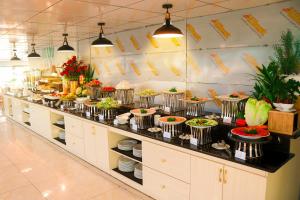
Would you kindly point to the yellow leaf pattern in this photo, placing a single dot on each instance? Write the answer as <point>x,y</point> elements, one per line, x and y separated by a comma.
<point>120,45</point>
<point>251,61</point>
<point>219,27</point>
<point>254,24</point>
<point>153,69</point>
<point>219,63</point>
<point>135,68</point>
<point>175,70</point>
<point>152,41</point>
<point>120,68</point>
<point>213,94</point>
<point>193,32</point>
<point>134,42</point>
<point>292,14</point>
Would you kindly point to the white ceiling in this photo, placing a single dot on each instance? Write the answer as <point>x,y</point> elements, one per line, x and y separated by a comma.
<point>46,19</point>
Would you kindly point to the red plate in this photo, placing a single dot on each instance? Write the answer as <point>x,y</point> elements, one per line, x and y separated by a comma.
<point>261,131</point>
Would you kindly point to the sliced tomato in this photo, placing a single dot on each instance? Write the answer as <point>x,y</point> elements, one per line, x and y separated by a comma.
<point>261,131</point>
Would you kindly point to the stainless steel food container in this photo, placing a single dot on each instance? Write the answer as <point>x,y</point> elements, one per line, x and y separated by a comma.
<point>125,96</point>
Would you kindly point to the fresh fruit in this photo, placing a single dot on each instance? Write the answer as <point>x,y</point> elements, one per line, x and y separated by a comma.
<point>78,91</point>
<point>84,92</point>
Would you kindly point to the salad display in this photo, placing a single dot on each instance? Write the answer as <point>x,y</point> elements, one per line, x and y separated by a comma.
<point>201,122</point>
<point>142,112</point>
<point>147,92</point>
<point>172,119</point>
<point>108,103</point>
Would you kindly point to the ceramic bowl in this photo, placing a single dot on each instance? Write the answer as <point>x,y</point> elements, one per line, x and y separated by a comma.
<point>286,107</point>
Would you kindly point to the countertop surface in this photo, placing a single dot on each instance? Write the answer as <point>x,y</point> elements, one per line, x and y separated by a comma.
<point>270,162</point>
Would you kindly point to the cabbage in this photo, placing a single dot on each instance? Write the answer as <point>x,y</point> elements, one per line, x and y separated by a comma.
<point>256,112</point>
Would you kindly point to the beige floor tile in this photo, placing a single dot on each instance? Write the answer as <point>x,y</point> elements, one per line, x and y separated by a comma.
<point>22,193</point>
<point>117,193</point>
<point>31,167</point>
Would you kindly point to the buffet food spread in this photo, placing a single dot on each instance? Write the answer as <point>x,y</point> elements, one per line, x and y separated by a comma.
<point>241,126</point>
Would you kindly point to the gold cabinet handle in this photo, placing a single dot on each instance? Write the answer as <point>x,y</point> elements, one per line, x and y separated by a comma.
<point>220,175</point>
<point>163,187</point>
<point>163,160</point>
<point>225,176</point>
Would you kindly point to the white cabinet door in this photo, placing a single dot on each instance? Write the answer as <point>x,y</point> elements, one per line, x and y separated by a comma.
<point>163,187</point>
<point>243,185</point>
<point>96,145</point>
<point>40,120</point>
<point>17,110</point>
<point>206,179</point>
<point>75,145</point>
<point>6,105</point>
<point>166,160</point>
<point>73,126</point>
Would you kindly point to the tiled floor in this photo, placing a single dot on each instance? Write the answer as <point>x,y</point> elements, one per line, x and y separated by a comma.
<point>32,168</point>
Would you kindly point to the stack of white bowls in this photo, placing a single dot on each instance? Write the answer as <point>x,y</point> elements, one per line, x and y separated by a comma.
<point>137,150</point>
<point>126,164</point>
<point>138,171</point>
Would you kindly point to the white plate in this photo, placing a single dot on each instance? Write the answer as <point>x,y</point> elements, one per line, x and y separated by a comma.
<point>217,146</point>
<point>154,129</point>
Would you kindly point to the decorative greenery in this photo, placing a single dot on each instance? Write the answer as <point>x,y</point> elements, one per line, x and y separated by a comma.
<point>287,54</point>
<point>89,74</point>
<point>273,86</point>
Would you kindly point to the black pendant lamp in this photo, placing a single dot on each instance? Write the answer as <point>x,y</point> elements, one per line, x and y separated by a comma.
<point>65,47</point>
<point>33,54</point>
<point>101,41</point>
<point>167,30</point>
<point>15,57</point>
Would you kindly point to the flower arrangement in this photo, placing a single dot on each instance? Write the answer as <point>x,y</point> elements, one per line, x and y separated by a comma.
<point>73,68</point>
<point>93,83</point>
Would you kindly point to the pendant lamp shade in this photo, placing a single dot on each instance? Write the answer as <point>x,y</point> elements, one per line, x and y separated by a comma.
<point>15,57</point>
<point>101,41</point>
<point>167,30</point>
<point>33,54</point>
<point>65,47</point>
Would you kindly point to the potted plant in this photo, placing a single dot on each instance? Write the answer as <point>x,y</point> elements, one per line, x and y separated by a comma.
<point>287,57</point>
<point>274,87</point>
<point>72,69</point>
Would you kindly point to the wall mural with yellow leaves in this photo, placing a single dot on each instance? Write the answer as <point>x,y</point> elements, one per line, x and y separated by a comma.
<point>217,55</point>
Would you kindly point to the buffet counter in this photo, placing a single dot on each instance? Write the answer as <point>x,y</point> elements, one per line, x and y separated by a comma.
<point>172,168</point>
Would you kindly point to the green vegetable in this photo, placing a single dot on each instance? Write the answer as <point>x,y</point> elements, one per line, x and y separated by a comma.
<point>143,111</point>
<point>171,119</point>
<point>256,112</point>
<point>201,122</point>
<point>251,131</point>
<point>108,103</point>
<point>194,99</point>
<point>173,89</point>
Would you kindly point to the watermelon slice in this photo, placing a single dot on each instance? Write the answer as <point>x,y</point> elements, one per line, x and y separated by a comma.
<point>251,132</point>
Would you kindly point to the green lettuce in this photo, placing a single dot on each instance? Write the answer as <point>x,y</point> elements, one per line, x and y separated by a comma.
<point>256,112</point>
